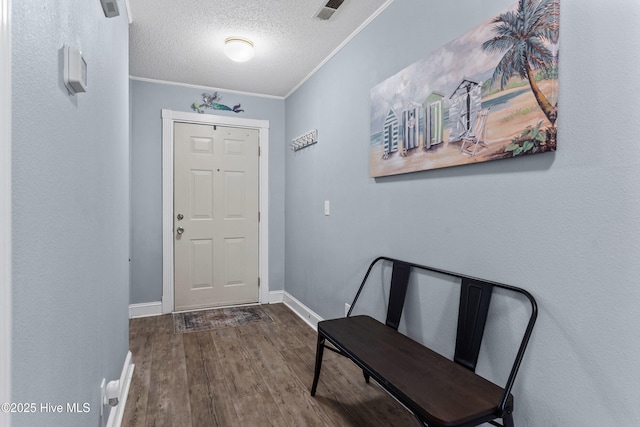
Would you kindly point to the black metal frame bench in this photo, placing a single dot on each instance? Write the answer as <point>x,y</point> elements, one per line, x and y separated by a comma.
<point>437,390</point>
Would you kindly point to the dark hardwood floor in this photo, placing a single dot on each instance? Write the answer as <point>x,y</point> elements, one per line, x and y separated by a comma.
<point>257,374</point>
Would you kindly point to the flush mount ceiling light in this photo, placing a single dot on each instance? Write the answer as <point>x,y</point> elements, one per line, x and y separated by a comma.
<point>238,49</point>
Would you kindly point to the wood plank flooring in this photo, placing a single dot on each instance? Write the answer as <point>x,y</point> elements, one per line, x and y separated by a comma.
<point>256,374</point>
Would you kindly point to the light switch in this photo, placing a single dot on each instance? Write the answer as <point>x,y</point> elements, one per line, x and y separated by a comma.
<point>327,210</point>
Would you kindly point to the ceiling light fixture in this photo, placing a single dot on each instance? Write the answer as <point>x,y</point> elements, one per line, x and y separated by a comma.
<point>238,49</point>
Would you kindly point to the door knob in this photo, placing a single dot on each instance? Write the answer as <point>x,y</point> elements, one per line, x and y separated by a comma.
<point>180,230</point>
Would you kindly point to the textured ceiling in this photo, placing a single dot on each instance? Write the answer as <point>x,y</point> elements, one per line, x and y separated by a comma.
<point>182,41</point>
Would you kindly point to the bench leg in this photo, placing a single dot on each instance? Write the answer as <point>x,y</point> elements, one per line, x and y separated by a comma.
<point>316,375</point>
<point>507,419</point>
<point>366,376</point>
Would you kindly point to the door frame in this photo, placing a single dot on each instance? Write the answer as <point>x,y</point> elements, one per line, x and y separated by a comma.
<point>5,208</point>
<point>169,117</point>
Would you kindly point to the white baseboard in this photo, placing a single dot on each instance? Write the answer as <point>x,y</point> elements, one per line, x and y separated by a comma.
<point>302,310</point>
<point>276,297</point>
<point>117,412</point>
<point>145,309</point>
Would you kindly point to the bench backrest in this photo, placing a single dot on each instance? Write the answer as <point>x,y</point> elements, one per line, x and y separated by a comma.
<point>397,292</point>
<point>475,298</point>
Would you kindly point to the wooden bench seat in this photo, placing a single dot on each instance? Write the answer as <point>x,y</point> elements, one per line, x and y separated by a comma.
<point>437,390</point>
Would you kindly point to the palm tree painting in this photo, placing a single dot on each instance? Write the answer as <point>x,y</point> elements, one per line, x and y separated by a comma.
<point>525,36</point>
<point>498,86</point>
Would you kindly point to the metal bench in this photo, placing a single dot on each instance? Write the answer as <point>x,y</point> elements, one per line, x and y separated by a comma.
<point>437,390</point>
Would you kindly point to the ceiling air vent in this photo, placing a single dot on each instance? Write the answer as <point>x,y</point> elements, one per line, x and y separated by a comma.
<point>110,8</point>
<point>329,9</point>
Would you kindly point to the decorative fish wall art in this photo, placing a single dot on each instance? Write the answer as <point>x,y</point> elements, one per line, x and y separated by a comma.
<point>209,100</point>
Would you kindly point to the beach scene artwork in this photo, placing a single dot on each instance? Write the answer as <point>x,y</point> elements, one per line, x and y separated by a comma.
<point>490,94</point>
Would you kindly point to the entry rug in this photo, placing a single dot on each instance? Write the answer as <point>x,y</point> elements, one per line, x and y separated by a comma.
<point>206,320</point>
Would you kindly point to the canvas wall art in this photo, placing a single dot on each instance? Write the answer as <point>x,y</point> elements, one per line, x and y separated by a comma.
<point>490,94</point>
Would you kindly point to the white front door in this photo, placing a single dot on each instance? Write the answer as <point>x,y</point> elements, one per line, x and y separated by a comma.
<point>215,215</point>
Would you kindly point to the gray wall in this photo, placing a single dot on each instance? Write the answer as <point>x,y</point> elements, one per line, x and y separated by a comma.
<point>70,209</point>
<point>147,101</point>
<point>563,225</point>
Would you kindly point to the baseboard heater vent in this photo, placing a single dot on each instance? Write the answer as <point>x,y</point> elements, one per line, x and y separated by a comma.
<point>329,9</point>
